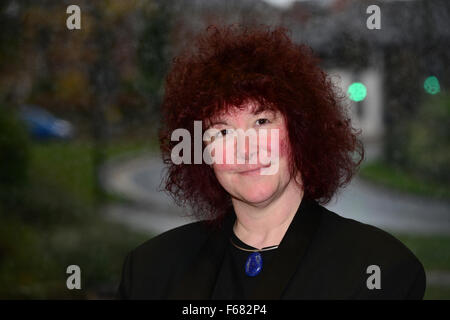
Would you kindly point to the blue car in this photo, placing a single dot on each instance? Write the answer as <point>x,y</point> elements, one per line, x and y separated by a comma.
<point>43,125</point>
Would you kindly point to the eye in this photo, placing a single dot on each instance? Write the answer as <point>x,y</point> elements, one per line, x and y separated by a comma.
<point>223,133</point>
<point>262,121</point>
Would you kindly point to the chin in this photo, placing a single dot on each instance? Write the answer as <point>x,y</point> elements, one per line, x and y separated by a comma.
<point>257,193</point>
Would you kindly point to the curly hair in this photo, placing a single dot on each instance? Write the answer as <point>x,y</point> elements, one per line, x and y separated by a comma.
<point>230,65</point>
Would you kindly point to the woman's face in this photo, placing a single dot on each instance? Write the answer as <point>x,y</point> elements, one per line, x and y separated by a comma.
<point>250,177</point>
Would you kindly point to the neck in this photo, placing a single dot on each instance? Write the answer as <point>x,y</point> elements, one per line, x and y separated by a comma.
<point>265,225</point>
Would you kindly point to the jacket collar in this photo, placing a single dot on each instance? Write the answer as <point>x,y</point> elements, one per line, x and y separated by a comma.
<point>198,282</point>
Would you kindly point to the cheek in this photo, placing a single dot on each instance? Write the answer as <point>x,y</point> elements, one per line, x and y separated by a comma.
<point>283,143</point>
<point>221,172</point>
<point>218,151</point>
<point>284,147</point>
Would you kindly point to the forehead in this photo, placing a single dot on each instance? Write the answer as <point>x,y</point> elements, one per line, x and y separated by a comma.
<point>246,109</point>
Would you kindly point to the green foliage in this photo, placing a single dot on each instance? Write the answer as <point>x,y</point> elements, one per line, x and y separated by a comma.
<point>14,156</point>
<point>33,259</point>
<point>437,293</point>
<point>403,180</point>
<point>66,165</point>
<point>434,253</point>
<point>428,143</point>
<point>55,225</point>
<point>9,35</point>
<point>153,54</point>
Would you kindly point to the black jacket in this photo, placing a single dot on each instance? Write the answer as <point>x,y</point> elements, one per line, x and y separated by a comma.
<point>322,256</point>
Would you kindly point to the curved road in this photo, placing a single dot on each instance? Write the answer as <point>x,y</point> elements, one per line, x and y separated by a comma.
<point>138,179</point>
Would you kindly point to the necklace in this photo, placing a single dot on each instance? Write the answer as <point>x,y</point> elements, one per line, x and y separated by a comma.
<point>254,262</point>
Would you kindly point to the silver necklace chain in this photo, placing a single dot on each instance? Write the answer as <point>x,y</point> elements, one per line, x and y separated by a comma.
<point>253,250</point>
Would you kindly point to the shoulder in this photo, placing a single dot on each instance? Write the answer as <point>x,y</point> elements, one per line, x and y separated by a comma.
<point>149,268</point>
<point>365,247</point>
<point>176,239</point>
<point>357,237</point>
<point>175,244</point>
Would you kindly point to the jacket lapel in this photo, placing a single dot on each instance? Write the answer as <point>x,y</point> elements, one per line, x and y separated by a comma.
<point>198,282</point>
<point>289,254</point>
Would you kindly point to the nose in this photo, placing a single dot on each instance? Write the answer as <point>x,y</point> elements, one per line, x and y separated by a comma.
<point>246,147</point>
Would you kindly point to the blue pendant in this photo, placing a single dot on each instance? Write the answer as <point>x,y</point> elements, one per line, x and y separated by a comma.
<point>253,265</point>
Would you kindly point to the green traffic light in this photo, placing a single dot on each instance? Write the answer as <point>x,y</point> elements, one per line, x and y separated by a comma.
<point>431,85</point>
<point>357,91</point>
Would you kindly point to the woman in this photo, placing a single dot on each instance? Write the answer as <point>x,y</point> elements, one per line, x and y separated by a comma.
<point>263,234</point>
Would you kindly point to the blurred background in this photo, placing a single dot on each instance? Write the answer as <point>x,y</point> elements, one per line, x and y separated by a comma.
<point>79,110</point>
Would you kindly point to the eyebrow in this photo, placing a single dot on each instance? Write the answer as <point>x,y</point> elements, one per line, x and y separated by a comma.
<point>269,112</point>
<point>218,122</point>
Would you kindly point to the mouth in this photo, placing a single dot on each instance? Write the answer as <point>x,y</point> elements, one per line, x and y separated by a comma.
<point>253,171</point>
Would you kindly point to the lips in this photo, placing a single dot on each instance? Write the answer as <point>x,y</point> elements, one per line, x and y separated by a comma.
<point>252,170</point>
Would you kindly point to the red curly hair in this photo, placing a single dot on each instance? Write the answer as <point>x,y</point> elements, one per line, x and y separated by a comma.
<point>231,65</point>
